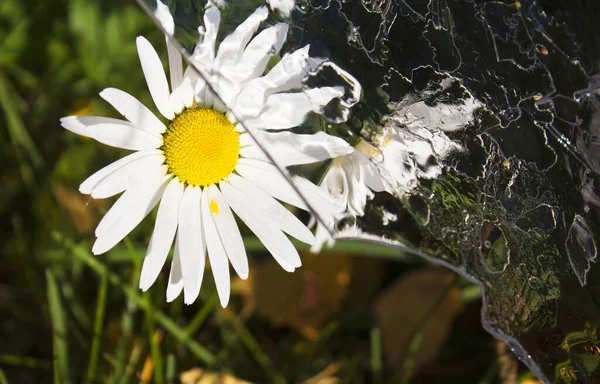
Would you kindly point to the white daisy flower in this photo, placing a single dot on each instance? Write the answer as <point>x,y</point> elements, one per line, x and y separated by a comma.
<point>202,165</point>
<point>350,181</point>
<point>411,147</point>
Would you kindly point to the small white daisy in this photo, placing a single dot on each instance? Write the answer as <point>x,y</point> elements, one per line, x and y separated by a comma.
<point>412,146</point>
<point>350,181</point>
<point>203,166</point>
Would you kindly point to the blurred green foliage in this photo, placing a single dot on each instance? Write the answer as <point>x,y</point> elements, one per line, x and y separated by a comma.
<point>66,316</point>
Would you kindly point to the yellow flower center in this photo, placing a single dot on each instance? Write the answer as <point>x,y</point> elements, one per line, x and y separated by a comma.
<point>201,146</point>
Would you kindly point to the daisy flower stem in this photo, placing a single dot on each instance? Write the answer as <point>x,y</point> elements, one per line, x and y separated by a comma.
<point>169,325</point>
<point>98,324</point>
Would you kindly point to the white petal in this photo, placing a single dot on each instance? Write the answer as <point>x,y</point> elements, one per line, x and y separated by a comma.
<point>358,192</point>
<point>282,111</point>
<point>88,185</point>
<point>328,208</point>
<point>200,93</point>
<point>323,237</point>
<point>319,97</point>
<point>213,101</point>
<point>274,240</point>
<point>285,75</point>
<point>229,80</point>
<point>322,203</point>
<point>335,181</point>
<point>278,216</point>
<point>232,46</point>
<point>258,52</point>
<point>254,152</point>
<point>271,180</point>
<point>285,7</point>
<point>132,173</point>
<point>216,252</point>
<point>289,72</point>
<point>246,140</point>
<point>229,232</point>
<point>175,285</point>
<point>163,234</point>
<point>127,213</point>
<point>182,96</point>
<point>371,176</point>
<point>192,246</point>
<point>289,148</point>
<point>132,199</point>
<point>113,132</point>
<point>155,77</point>
<point>199,86</point>
<point>358,196</point>
<point>133,110</point>
<point>165,18</point>
<point>288,110</point>
<point>204,52</point>
<point>175,64</point>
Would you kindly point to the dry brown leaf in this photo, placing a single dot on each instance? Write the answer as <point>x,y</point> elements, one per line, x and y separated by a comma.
<point>201,376</point>
<point>83,216</point>
<point>425,301</point>
<point>365,281</point>
<point>305,298</point>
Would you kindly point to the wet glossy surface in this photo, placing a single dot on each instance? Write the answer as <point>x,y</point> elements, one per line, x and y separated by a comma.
<point>498,104</point>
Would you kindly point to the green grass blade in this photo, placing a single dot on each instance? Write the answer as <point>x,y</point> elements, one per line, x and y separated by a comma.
<point>98,322</point>
<point>134,358</point>
<point>59,328</point>
<point>171,369</point>
<point>376,358</point>
<point>3,379</point>
<point>153,336</point>
<point>25,362</point>
<point>202,315</point>
<point>165,321</point>
<point>16,128</point>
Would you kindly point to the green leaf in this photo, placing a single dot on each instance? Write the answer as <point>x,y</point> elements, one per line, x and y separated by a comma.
<point>59,335</point>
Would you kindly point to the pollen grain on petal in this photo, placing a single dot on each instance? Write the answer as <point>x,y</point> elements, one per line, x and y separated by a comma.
<point>214,207</point>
